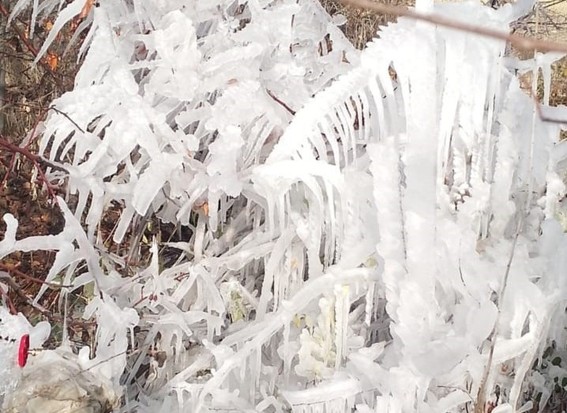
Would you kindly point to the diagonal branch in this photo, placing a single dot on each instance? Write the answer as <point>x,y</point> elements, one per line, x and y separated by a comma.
<point>519,42</point>
<point>39,160</point>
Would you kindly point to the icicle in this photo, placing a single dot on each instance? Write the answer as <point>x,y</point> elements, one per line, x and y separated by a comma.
<point>385,168</point>
<point>287,357</point>
<point>33,19</point>
<point>8,242</point>
<point>369,308</point>
<point>342,307</point>
<point>274,277</point>
<point>18,8</point>
<point>334,396</point>
<point>68,13</point>
<point>420,158</point>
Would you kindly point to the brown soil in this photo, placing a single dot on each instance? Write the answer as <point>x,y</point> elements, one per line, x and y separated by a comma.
<point>362,25</point>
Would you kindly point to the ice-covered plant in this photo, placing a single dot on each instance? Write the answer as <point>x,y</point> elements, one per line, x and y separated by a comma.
<point>323,345</point>
<point>369,231</point>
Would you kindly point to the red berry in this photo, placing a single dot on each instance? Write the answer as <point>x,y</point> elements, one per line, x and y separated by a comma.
<point>23,351</point>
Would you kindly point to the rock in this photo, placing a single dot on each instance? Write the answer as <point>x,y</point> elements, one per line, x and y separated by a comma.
<point>55,383</point>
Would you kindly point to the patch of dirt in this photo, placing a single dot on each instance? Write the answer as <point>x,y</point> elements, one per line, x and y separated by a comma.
<point>548,21</point>
<point>362,25</point>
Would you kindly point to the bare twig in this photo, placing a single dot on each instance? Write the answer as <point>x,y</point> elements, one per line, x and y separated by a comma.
<point>20,293</point>
<point>53,108</point>
<point>48,314</point>
<point>33,50</point>
<point>39,160</point>
<point>519,42</point>
<point>281,102</point>
<point>12,269</point>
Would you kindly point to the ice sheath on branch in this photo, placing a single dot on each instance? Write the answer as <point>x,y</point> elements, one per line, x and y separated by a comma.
<point>350,217</point>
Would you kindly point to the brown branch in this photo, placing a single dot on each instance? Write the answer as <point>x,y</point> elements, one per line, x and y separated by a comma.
<point>54,318</point>
<point>519,42</point>
<point>9,170</point>
<point>12,269</point>
<point>282,103</point>
<point>53,108</point>
<point>38,162</point>
<point>36,159</point>
<point>20,293</point>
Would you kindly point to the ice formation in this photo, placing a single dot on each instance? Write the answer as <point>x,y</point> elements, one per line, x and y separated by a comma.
<point>374,231</point>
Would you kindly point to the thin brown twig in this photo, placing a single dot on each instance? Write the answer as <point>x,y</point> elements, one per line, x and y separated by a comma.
<point>281,102</point>
<point>56,318</point>
<point>519,42</point>
<point>16,56</point>
<point>9,170</point>
<point>53,108</point>
<point>26,41</point>
<point>12,269</point>
<point>39,160</point>
<point>20,293</point>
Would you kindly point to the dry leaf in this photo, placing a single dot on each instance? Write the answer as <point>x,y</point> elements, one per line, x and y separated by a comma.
<point>52,61</point>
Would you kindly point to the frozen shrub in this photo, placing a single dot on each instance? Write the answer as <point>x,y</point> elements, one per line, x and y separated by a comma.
<point>381,223</point>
